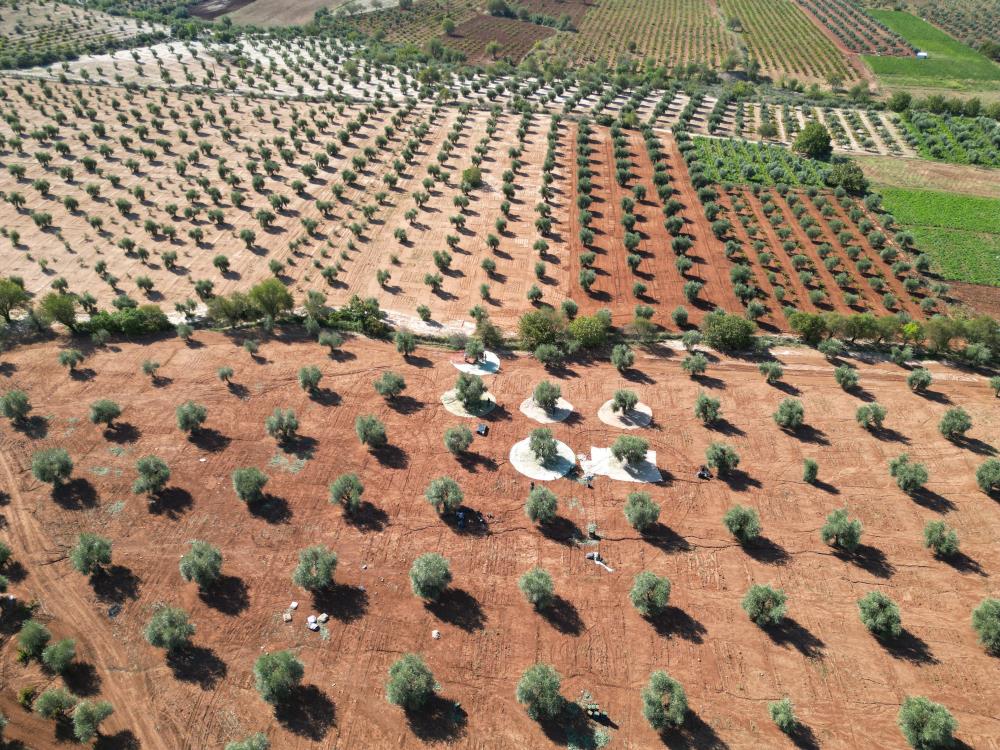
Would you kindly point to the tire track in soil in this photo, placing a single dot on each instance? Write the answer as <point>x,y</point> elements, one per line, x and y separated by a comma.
<point>62,597</point>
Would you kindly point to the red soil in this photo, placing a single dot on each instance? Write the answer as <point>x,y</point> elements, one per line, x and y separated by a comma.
<point>845,685</point>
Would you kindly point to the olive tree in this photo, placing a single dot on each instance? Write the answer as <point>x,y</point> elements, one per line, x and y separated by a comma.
<point>664,702</point>
<point>315,569</point>
<point>695,364</point>
<point>249,484</point>
<point>153,475</point>
<point>52,466</point>
<point>430,575</point>
<point>707,409</point>
<point>15,406</point>
<point>790,414</point>
<point>201,564</point>
<point>405,342</point>
<point>32,639</point>
<point>190,416</point>
<point>622,357</point>
<point>389,385</point>
<point>743,523</point>
<point>458,439</point>
<point>624,401</point>
<point>810,471</point>
<point>846,377</point>
<point>650,593</point>
<point>309,377</point>
<point>104,411</point>
<point>722,457</point>
<point>54,703</point>
<point>346,490</point>
<point>169,628</point>
<point>543,445</point>
<point>955,423</point>
<point>276,675</point>
<point>57,657</point>
<point>536,585</point>
<point>870,416</point>
<point>282,425</point>
<point>370,431</point>
<point>919,379</point>
<point>541,505</point>
<point>641,511</point>
<point>411,684</point>
<point>988,475</point>
<point>546,395</point>
<point>470,390</point>
<point>910,477</point>
<point>941,538</point>
<point>87,718</point>
<point>91,553</point>
<point>629,449</point>
<point>444,494</point>
<point>764,605</point>
<point>986,623</point>
<point>926,725</point>
<point>783,715</point>
<point>772,371</point>
<point>880,615</point>
<point>840,531</point>
<point>538,692</point>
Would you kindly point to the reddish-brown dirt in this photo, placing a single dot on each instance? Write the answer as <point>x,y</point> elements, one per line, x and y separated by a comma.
<point>846,686</point>
<point>515,37</point>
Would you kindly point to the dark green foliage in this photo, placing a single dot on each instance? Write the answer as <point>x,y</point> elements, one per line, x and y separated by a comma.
<point>32,639</point>
<point>790,414</point>
<point>470,390</point>
<point>541,505</point>
<point>53,703</point>
<point>201,564</point>
<point>411,683</point>
<point>955,423</point>
<point>650,594</point>
<point>783,715</point>
<point>59,656</point>
<point>104,412</point>
<point>871,416</point>
<point>169,628</point>
<point>346,490</point>
<point>543,445</point>
<point>880,615</point>
<point>91,553</point>
<point>430,575</point>
<point>52,466</point>
<point>840,531</point>
<point>87,718</point>
<point>538,692</point>
<point>276,675</point>
<point>664,702</point>
<point>546,395</point>
<point>707,409</point>
<point>910,477</point>
<point>254,742</point>
<point>536,585</point>
<point>249,484</point>
<point>190,416</point>
<point>743,523</point>
<point>144,320</point>
<point>926,725</point>
<point>458,439</point>
<point>641,511</point>
<point>389,385</point>
<point>282,425</point>
<point>919,379</point>
<point>721,457</point>
<point>941,538</point>
<point>764,605</point>
<point>15,406</point>
<point>726,332</point>
<point>444,494</point>
<point>370,431</point>
<point>988,475</point>
<point>986,623</point>
<point>316,567</point>
<point>810,471</point>
<point>153,475</point>
<point>629,449</point>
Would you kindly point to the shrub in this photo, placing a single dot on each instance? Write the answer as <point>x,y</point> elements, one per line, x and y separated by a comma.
<point>190,416</point>
<point>721,457</point>
<point>664,702</point>
<point>650,593</point>
<point>538,692</point>
<point>444,494</point>
<point>624,400</point>
<point>790,414</point>
<point>840,531</point>
<point>346,490</point>
<point>764,605</point>
<point>202,564</point>
<point>316,567</point>
<point>59,656</point>
<point>389,385</point>
<point>14,405</point>
<point>470,390</point>
<point>988,475</point>
<point>546,395</point>
<point>169,628</point>
<point>542,505</point>
<point>458,439</point>
<point>104,412</point>
<point>622,357</point>
<point>430,575</point>
<point>87,718</point>
<point>772,371</point>
<point>91,553</point>
<point>707,409</point>
<point>32,639</point>
<point>281,425</point>
<point>641,511</point>
<point>919,379</point>
<point>254,742</point>
<point>910,477</point>
<point>941,538</point>
<point>52,466</point>
<point>986,623</point>
<point>276,674</point>
<point>870,416</point>
<point>783,715</point>
<point>536,585</point>
<point>880,615</point>
<point>695,364</point>
<point>727,332</point>
<point>249,484</point>
<point>370,431</point>
<point>926,725</point>
<point>411,684</point>
<point>743,523</point>
<point>629,449</point>
<point>140,321</point>
<point>846,377</point>
<point>543,445</point>
<point>810,471</point>
<point>153,475</point>
<point>955,423</point>
<point>53,703</point>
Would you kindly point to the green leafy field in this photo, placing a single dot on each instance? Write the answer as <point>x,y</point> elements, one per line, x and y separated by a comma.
<point>951,63</point>
<point>961,232</point>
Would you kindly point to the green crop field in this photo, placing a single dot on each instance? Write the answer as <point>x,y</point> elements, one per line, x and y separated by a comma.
<point>961,232</point>
<point>951,64</point>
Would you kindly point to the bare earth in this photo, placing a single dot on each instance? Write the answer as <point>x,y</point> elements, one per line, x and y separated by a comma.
<point>846,686</point>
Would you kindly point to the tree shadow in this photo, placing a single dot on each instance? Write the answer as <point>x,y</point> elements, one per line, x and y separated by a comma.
<point>710,382</point>
<point>908,647</point>
<point>788,388</point>
<point>439,721</point>
<point>302,447</point>
<point>804,737</point>
<point>739,481</point>
<point>789,632</point>
<point>342,601</point>
<point>766,550</point>
<point>932,500</point>
<point>870,559</point>
<point>271,508</point>
<point>82,679</point>
<point>123,432</point>
<point>673,621</point>
<point>572,727</point>
<point>976,446</point>
<point>240,391</point>
<point>694,734</point>
<point>367,517</point>
<point>664,538</point>
<point>964,564</point>
<point>35,427</point>
<point>391,457</point>
<point>75,494</point>
<point>123,740</point>
<point>324,397</point>
<point>228,595</point>
<point>405,405</point>
<point>459,608</point>
<point>560,529</point>
<point>471,461</point>
<point>209,439</point>
<point>198,665</point>
<point>307,712</point>
<point>935,396</point>
<point>115,584</point>
<point>562,615</point>
<point>171,502</point>
<point>887,433</point>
